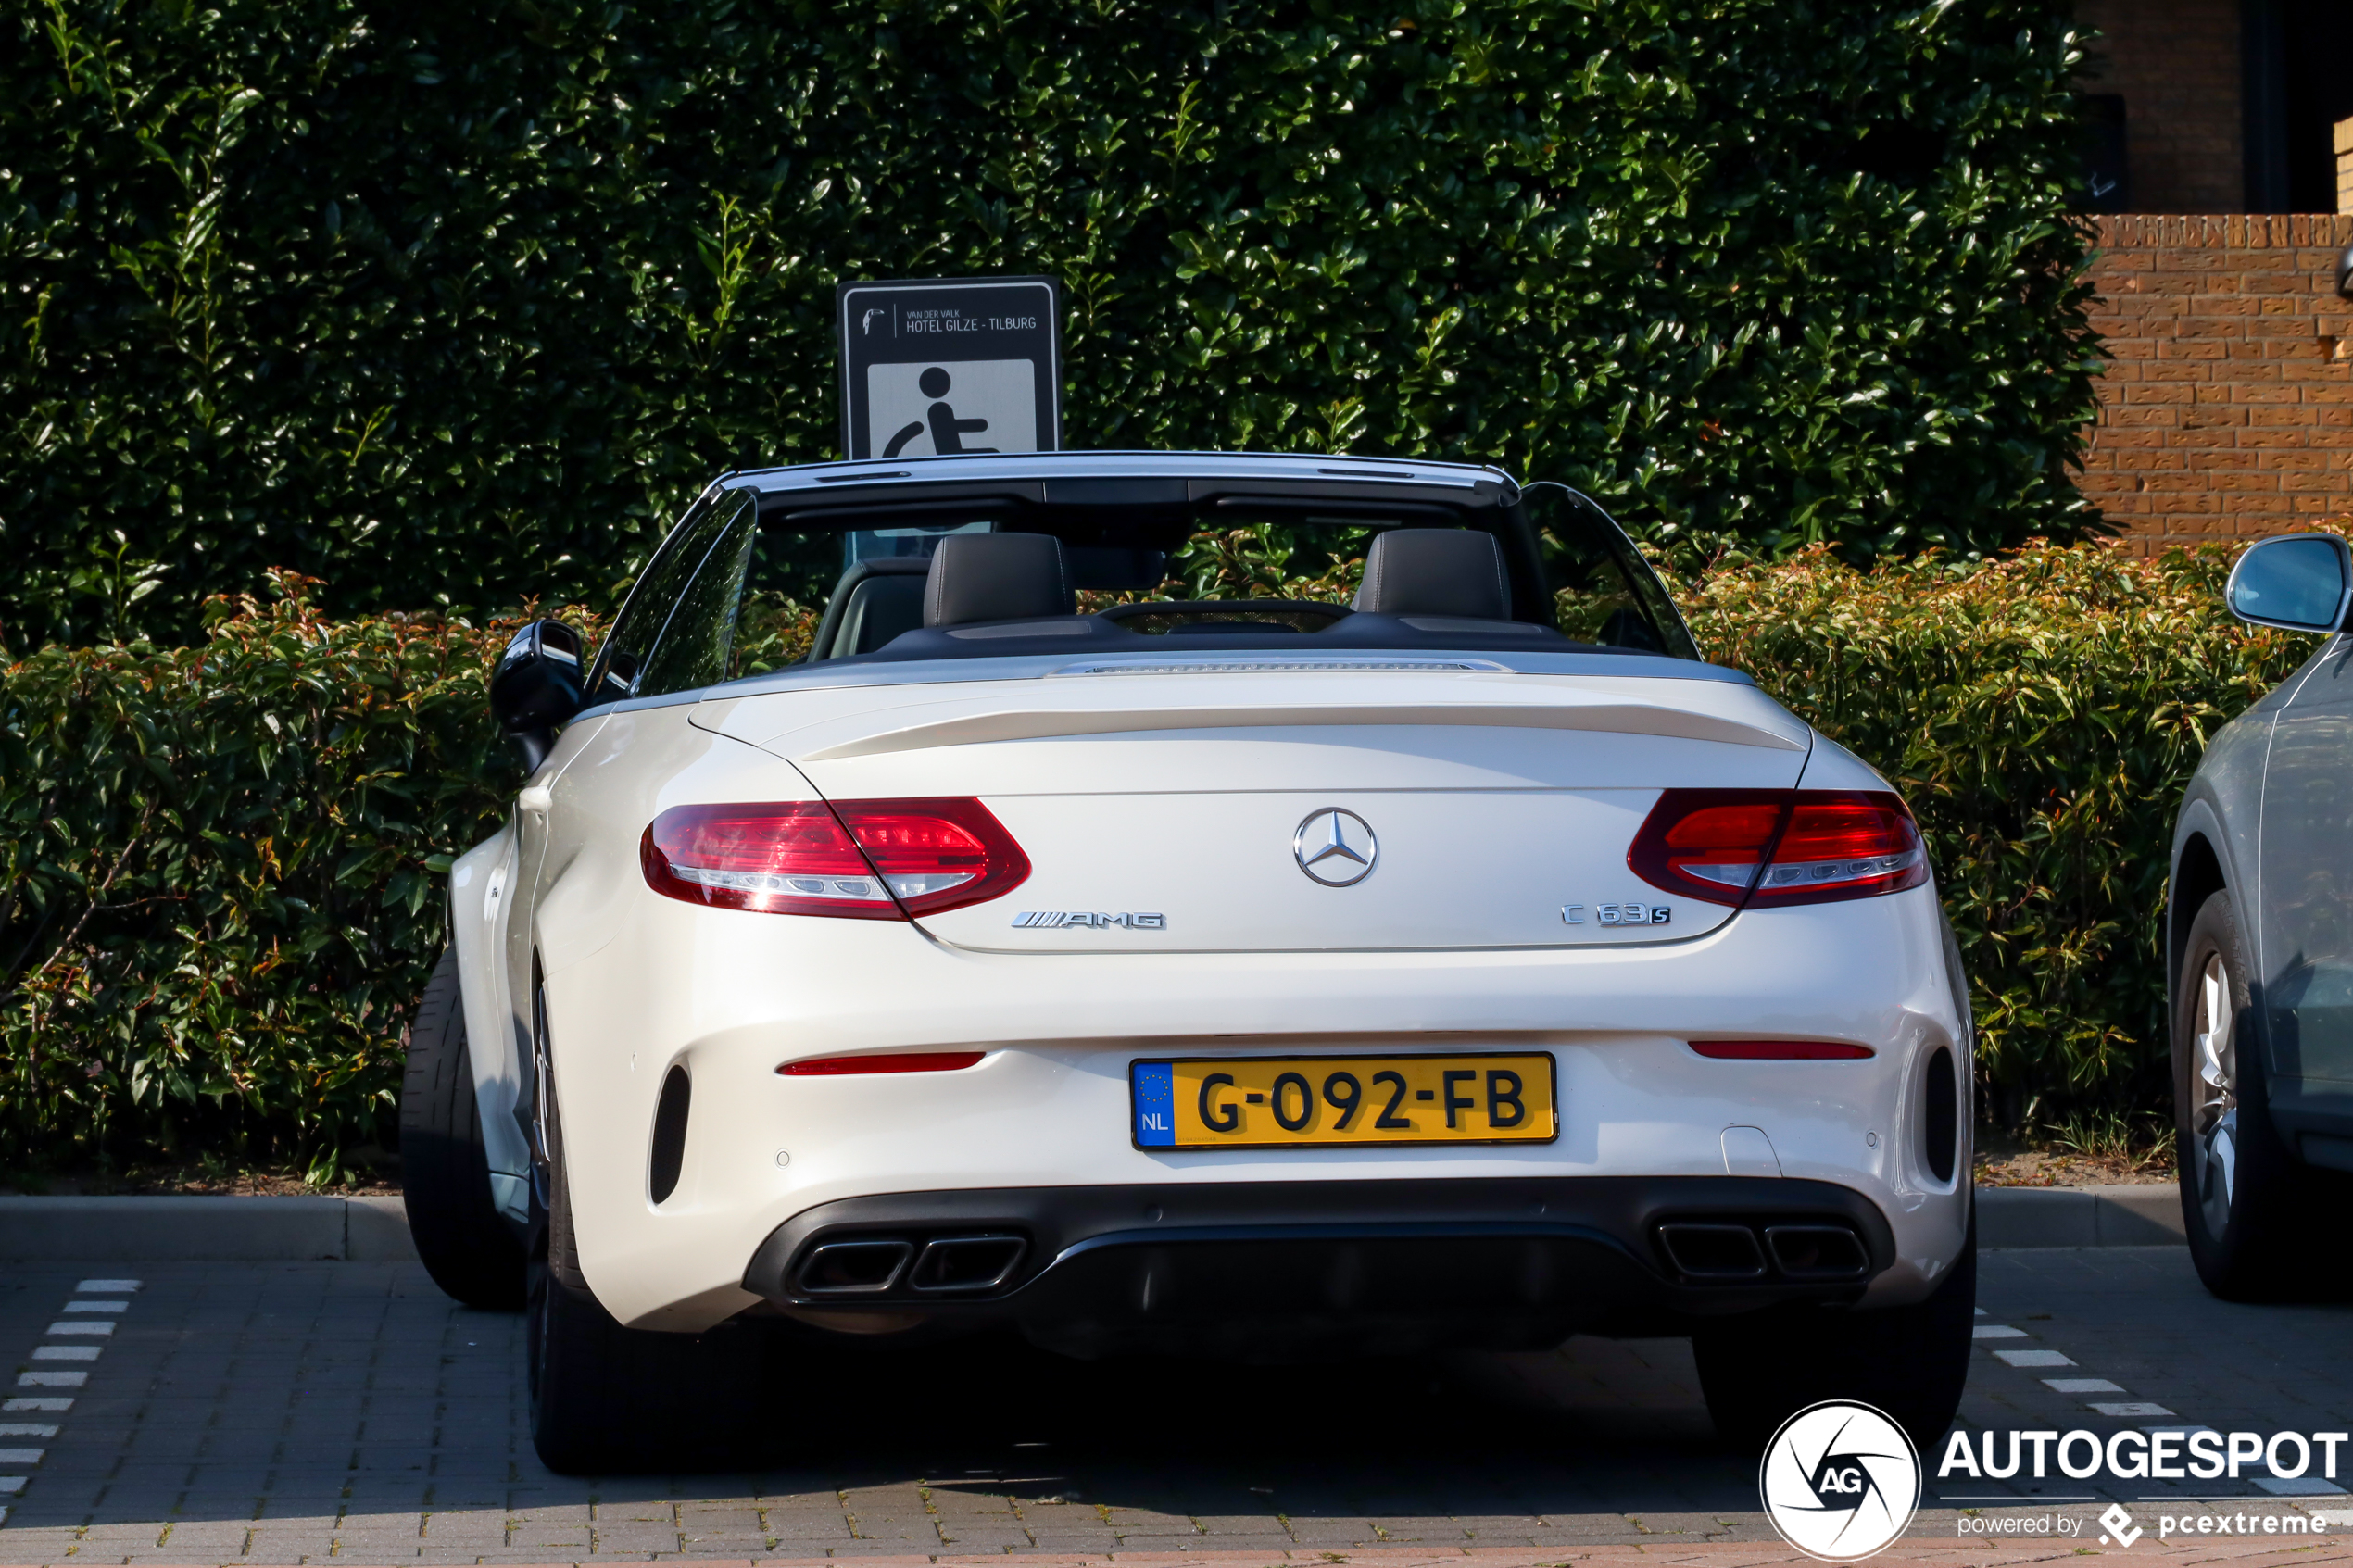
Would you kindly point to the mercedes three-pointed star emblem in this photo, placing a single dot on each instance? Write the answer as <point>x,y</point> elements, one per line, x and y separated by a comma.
<point>1335,848</point>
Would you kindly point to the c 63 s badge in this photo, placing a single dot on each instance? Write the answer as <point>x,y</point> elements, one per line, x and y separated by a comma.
<point>1618,914</point>
<point>1042,918</point>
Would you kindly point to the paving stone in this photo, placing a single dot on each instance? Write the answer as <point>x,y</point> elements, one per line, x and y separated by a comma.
<point>290,1411</point>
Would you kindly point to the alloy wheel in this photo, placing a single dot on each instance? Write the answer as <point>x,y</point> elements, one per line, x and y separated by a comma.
<point>2214,1106</point>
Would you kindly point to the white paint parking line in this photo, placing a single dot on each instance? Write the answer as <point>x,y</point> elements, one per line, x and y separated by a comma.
<point>83,1320</point>
<point>2298,1487</point>
<point>2119,1408</point>
<point>1996,1331</point>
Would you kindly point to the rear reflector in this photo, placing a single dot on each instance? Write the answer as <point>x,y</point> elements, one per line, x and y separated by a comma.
<point>1764,847</point>
<point>1780,1050</point>
<point>859,860</point>
<point>910,1061</point>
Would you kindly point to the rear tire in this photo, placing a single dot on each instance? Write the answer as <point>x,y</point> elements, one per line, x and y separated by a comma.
<point>1910,1362</point>
<point>611,1400</point>
<point>2244,1202</point>
<point>445,1174</point>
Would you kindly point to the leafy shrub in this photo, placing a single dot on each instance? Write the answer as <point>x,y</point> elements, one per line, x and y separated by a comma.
<point>221,876</point>
<point>221,861</point>
<point>2042,714</point>
<point>452,303</point>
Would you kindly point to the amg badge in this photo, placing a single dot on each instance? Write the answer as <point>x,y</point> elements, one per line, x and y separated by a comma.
<point>1089,917</point>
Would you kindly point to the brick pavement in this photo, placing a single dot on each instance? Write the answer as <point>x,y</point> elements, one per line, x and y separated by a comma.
<point>283,1414</point>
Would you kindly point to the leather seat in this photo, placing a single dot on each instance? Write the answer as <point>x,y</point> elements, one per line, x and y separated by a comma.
<point>1450,572</point>
<point>874,601</point>
<point>997,577</point>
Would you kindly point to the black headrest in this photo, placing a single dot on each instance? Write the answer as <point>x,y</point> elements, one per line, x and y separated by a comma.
<point>1436,571</point>
<point>996,577</point>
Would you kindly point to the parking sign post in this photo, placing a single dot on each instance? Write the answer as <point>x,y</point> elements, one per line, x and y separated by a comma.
<point>934,367</point>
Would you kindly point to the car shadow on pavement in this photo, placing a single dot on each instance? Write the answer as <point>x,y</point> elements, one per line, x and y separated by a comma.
<point>1613,1426</point>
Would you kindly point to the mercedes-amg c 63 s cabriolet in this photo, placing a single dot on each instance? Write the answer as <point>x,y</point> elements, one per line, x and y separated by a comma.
<point>1244,908</point>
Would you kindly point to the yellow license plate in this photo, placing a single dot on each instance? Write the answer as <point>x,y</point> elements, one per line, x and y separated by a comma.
<point>1275,1102</point>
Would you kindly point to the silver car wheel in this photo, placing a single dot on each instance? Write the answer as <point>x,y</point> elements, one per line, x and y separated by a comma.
<point>2214,1118</point>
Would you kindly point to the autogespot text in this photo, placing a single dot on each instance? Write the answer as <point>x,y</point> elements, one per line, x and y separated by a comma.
<point>2189,1455</point>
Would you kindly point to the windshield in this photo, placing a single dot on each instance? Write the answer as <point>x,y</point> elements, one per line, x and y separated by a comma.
<point>777,581</point>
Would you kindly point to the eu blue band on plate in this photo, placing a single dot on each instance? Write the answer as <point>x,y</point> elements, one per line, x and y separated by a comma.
<point>1155,1105</point>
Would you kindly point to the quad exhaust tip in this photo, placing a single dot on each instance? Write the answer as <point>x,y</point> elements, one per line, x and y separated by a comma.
<point>1817,1251</point>
<point>944,1265</point>
<point>1728,1250</point>
<point>966,1263</point>
<point>856,1268</point>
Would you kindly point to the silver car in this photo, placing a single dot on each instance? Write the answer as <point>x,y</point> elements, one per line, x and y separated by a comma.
<point>2259,943</point>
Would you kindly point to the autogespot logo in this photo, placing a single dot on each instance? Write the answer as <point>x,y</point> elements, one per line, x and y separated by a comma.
<point>1840,1481</point>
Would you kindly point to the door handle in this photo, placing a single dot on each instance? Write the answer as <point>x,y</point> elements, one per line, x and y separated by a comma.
<point>538,798</point>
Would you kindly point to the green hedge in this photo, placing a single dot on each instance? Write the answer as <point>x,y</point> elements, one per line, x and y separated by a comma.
<point>450,304</point>
<point>220,868</point>
<point>2042,714</point>
<point>221,861</point>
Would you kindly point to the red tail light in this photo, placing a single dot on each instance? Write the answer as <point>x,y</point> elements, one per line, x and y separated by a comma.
<point>859,860</point>
<point>1765,847</point>
<point>937,853</point>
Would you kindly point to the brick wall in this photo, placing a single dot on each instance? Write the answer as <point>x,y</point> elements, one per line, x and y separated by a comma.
<point>2344,166</point>
<point>2176,65</point>
<point>2226,410</point>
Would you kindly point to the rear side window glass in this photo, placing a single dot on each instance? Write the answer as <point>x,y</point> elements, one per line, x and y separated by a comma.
<point>621,663</point>
<point>692,648</point>
<point>1602,590</point>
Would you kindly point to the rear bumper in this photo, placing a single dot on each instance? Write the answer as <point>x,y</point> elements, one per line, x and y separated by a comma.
<point>1250,1269</point>
<point>725,997</point>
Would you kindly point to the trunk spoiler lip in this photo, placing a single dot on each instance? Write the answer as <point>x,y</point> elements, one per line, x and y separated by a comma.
<point>1285,664</point>
<point>840,674</point>
<point>1621,717</point>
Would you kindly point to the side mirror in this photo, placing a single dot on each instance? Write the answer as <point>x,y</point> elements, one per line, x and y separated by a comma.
<point>2298,583</point>
<point>536,687</point>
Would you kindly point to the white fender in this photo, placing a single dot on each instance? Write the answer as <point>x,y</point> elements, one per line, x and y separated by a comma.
<point>482,884</point>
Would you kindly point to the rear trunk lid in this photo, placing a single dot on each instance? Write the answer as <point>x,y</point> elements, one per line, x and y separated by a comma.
<point>1195,806</point>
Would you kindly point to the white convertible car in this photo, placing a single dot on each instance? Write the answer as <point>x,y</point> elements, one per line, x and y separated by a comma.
<point>1059,951</point>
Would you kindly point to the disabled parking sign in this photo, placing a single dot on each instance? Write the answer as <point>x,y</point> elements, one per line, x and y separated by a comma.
<point>950,365</point>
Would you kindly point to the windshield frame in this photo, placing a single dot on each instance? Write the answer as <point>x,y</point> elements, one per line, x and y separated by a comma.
<point>1065,494</point>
